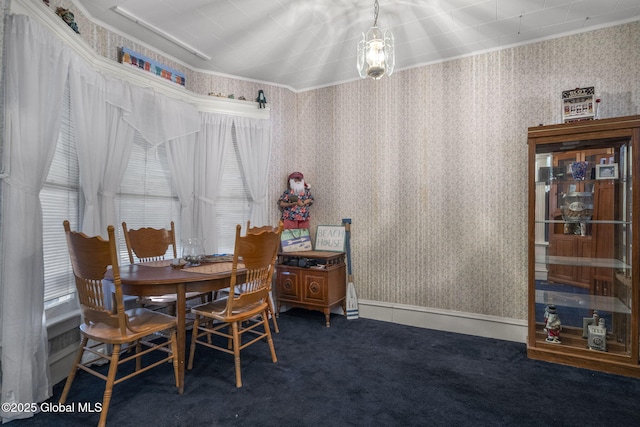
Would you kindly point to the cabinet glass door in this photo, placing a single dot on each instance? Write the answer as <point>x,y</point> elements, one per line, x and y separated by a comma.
<point>583,214</point>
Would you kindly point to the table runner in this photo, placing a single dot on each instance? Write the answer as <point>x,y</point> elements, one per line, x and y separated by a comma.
<point>207,267</point>
<point>216,267</point>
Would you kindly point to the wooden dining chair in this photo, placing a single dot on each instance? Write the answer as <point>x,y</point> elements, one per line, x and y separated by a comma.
<point>243,315</point>
<point>272,307</point>
<point>106,321</point>
<point>151,244</point>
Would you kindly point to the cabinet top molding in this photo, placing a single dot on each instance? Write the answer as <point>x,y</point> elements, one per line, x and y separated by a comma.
<point>625,122</point>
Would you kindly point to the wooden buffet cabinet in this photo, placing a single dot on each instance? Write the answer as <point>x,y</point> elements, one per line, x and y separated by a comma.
<point>319,284</point>
<point>315,280</point>
<point>581,204</point>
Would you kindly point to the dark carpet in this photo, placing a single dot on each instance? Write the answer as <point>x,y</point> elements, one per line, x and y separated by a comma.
<point>363,373</point>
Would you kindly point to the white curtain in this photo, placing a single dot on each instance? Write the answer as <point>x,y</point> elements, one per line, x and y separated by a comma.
<point>103,142</point>
<point>36,71</point>
<point>181,155</point>
<point>208,174</point>
<point>119,142</point>
<point>254,145</point>
<point>89,111</point>
<point>159,118</point>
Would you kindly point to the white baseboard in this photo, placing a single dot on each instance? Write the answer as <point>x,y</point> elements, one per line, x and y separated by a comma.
<point>446,320</point>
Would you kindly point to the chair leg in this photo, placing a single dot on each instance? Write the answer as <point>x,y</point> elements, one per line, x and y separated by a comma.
<point>194,337</point>
<point>108,390</point>
<point>209,324</point>
<point>236,353</point>
<point>273,314</point>
<point>269,339</point>
<point>138,359</point>
<point>74,369</point>
<point>174,352</point>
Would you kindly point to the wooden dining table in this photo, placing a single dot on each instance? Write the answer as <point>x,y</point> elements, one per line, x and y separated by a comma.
<point>161,277</point>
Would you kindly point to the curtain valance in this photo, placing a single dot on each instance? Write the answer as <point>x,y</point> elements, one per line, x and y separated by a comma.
<point>157,117</point>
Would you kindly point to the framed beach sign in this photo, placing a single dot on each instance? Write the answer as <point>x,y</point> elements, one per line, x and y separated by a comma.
<point>330,238</point>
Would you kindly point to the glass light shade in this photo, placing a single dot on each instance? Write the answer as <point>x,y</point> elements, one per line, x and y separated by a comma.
<point>376,56</point>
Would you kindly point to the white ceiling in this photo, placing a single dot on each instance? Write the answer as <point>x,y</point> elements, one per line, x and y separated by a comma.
<point>306,44</point>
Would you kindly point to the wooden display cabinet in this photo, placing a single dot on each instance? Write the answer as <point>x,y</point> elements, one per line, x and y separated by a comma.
<point>315,280</point>
<point>589,271</point>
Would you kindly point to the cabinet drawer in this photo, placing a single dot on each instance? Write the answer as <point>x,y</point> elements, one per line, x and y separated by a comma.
<point>287,285</point>
<point>315,288</point>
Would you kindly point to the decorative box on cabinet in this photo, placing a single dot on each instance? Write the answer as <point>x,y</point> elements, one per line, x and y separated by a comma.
<point>588,223</point>
<point>315,280</point>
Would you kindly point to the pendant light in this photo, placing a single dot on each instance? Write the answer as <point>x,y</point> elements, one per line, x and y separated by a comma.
<point>376,56</point>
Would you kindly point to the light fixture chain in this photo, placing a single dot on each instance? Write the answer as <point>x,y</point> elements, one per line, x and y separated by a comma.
<point>376,6</point>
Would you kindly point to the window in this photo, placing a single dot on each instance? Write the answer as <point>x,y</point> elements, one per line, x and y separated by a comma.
<point>60,200</point>
<point>234,203</point>
<point>147,196</point>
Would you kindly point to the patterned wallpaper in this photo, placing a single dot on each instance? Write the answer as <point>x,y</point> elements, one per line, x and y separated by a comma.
<point>431,164</point>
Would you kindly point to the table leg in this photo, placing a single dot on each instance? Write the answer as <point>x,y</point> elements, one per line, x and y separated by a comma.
<point>181,313</point>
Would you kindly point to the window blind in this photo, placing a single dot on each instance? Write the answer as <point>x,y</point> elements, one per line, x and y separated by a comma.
<point>233,206</point>
<point>147,196</point>
<point>60,200</point>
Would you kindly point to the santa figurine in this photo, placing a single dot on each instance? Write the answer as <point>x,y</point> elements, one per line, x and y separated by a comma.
<point>295,202</point>
<point>553,326</point>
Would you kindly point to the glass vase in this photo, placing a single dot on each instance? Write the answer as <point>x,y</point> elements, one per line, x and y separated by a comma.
<point>193,250</point>
<point>579,170</point>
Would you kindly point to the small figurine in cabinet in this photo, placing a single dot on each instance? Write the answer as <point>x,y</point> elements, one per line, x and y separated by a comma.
<point>586,321</point>
<point>597,339</point>
<point>553,326</point>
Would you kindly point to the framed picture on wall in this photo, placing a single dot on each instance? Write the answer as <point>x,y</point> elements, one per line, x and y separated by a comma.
<point>607,171</point>
<point>330,238</point>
